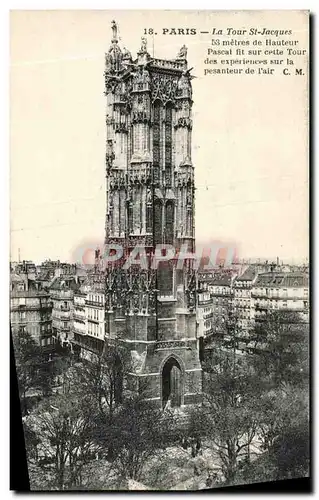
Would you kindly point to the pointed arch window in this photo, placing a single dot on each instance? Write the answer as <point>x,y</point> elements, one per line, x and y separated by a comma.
<point>168,144</point>
<point>169,223</point>
<point>157,141</point>
<point>158,222</point>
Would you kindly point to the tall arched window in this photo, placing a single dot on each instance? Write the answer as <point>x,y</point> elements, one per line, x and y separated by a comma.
<point>169,223</point>
<point>165,278</point>
<point>158,222</point>
<point>157,142</point>
<point>168,145</point>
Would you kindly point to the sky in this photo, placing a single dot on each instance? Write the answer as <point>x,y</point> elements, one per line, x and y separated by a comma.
<point>250,134</point>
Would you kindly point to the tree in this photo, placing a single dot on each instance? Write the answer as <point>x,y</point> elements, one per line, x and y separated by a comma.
<point>140,430</point>
<point>281,346</point>
<point>28,358</point>
<point>284,428</point>
<point>290,452</point>
<point>102,377</point>
<point>31,441</point>
<point>66,431</point>
<point>286,457</point>
<point>228,416</point>
<point>45,377</point>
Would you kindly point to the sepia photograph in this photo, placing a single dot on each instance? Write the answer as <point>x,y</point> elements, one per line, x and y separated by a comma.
<point>159,248</point>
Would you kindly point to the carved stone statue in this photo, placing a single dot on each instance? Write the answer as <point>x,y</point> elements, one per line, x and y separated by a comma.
<point>129,193</point>
<point>146,76</point>
<point>182,53</point>
<point>111,206</point>
<point>114,30</point>
<point>143,45</point>
<point>109,155</point>
<point>126,54</point>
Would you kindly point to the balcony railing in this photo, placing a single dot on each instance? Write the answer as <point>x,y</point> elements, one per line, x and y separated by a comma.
<point>275,296</point>
<point>79,317</point>
<point>63,315</point>
<point>93,320</point>
<point>203,302</point>
<point>62,294</point>
<point>30,307</point>
<point>94,303</point>
<point>229,293</point>
<point>79,331</point>
<point>29,293</point>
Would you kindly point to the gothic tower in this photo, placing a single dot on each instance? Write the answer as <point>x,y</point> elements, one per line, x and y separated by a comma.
<point>150,202</point>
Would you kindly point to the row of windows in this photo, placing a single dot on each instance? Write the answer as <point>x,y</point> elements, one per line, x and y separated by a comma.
<point>35,329</point>
<point>223,290</point>
<point>242,293</point>
<point>220,301</point>
<point>243,302</point>
<point>275,304</point>
<point>219,309</point>
<point>207,309</point>
<point>96,298</point>
<point>277,290</point>
<point>94,329</point>
<point>93,314</point>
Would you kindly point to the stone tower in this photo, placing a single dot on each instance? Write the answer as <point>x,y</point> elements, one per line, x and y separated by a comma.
<point>150,202</point>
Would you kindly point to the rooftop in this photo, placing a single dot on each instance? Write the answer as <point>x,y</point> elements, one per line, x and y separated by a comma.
<point>248,275</point>
<point>283,280</point>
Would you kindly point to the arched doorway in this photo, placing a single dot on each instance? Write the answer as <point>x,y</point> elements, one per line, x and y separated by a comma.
<point>172,383</point>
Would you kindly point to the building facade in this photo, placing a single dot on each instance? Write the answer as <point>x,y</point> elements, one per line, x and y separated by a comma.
<point>280,291</point>
<point>150,201</point>
<point>205,316</point>
<point>242,305</point>
<point>62,293</point>
<point>30,311</point>
<point>89,317</point>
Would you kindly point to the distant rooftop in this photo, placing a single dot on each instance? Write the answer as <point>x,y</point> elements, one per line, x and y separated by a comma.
<point>248,275</point>
<point>283,280</point>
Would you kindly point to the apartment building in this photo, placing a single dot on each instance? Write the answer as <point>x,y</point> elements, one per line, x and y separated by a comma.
<point>280,291</point>
<point>242,303</point>
<point>204,314</point>
<point>62,293</point>
<point>89,316</point>
<point>30,310</point>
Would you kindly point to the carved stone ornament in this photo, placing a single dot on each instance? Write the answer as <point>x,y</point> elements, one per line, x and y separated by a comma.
<point>143,49</point>
<point>184,123</point>
<point>127,54</point>
<point>164,88</point>
<point>109,155</point>
<point>182,53</point>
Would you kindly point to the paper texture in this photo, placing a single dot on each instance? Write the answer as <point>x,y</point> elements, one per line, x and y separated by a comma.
<point>141,144</point>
